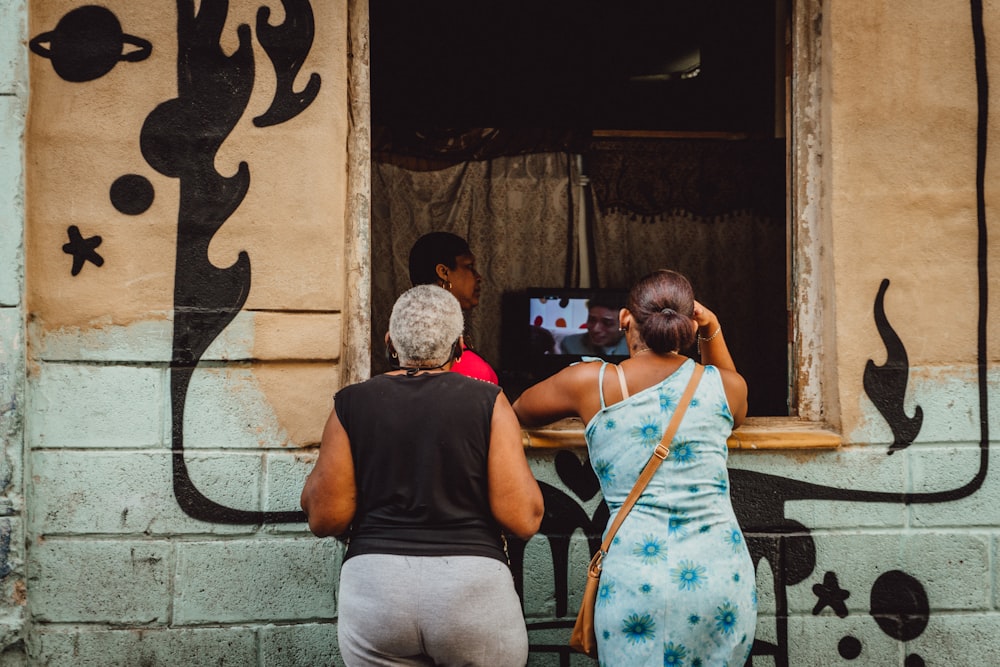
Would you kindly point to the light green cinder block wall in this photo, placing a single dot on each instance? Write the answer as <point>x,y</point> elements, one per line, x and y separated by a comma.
<point>13,106</point>
<point>119,574</point>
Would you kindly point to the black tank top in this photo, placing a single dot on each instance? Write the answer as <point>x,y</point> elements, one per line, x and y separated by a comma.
<point>420,447</point>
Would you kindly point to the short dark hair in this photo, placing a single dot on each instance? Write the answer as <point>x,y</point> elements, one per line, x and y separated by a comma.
<point>433,249</point>
<point>606,300</point>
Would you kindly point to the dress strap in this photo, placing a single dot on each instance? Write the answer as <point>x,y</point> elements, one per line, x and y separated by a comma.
<point>621,381</point>
<point>600,383</point>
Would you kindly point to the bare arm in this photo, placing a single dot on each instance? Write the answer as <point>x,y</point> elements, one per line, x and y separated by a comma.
<point>329,497</point>
<point>714,351</point>
<point>572,392</point>
<point>515,498</point>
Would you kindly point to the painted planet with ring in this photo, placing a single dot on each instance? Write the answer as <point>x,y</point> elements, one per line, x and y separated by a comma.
<point>87,43</point>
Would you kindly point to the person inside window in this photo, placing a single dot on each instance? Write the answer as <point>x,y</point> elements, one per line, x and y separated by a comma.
<point>444,259</point>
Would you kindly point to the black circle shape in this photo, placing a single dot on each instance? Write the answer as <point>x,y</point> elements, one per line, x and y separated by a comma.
<point>914,660</point>
<point>132,194</point>
<point>87,43</point>
<point>849,648</point>
<point>899,605</point>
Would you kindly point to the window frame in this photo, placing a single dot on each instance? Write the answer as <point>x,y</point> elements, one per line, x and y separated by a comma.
<point>815,414</point>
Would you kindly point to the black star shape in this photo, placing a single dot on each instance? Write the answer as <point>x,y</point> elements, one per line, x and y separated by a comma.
<point>831,595</point>
<point>83,250</point>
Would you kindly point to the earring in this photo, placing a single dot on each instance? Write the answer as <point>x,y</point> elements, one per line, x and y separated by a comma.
<point>446,284</point>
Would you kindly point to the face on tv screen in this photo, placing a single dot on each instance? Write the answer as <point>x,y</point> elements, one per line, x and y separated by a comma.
<point>576,325</point>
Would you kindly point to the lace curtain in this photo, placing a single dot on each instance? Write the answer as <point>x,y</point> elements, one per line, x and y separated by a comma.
<point>516,212</point>
<point>713,210</point>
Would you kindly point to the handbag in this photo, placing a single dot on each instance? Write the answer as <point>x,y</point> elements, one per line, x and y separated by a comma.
<point>584,638</point>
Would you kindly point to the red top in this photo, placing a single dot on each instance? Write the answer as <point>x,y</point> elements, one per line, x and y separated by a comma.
<point>472,365</point>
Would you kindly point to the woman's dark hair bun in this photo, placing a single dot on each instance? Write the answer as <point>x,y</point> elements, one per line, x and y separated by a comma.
<point>662,305</point>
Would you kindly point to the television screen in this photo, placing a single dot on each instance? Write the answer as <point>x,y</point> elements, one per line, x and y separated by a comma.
<point>546,329</point>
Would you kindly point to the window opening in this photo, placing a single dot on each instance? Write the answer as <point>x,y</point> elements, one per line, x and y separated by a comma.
<point>699,171</point>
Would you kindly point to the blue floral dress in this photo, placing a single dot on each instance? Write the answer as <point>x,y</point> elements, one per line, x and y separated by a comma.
<point>678,583</point>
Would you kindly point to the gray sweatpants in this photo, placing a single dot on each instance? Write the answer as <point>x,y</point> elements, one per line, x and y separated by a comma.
<point>430,610</point>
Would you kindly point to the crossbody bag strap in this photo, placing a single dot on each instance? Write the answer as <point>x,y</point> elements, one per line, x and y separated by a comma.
<point>659,454</point>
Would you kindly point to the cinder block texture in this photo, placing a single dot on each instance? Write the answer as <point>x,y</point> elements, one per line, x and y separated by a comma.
<point>100,581</point>
<point>945,469</point>
<point>13,51</point>
<point>11,407</point>
<point>279,336</point>
<point>954,569</point>
<point>128,492</point>
<point>259,406</point>
<point>219,647</point>
<point>144,341</point>
<point>232,479</point>
<point>951,569</point>
<point>949,399</point>
<point>969,639</point>
<point>299,645</point>
<point>11,182</point>
<point>822,641</point>
<point>11,572</point>
<point>540,592</point>
<point>857,469</point>
<point>255,580</point>
<point>550,648</point>
<point>13,95</point>
<point>97,406</point>
<point>285,475</point>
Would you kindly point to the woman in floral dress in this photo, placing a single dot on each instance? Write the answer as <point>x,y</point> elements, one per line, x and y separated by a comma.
<point>678,585</point>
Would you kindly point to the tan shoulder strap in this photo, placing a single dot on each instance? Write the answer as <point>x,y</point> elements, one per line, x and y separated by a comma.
<point>659,454</point>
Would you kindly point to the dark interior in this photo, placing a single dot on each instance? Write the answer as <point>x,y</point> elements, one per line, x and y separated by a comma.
<point>670,103</point>
<point>679,65</point>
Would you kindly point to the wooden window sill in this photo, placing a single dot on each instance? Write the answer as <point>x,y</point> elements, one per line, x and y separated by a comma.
<point>755,433</point>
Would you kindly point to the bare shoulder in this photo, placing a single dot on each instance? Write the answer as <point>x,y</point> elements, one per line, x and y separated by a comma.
<point>580,377</point>
<point>732,379</point>
<point>735,387</point>
<point>558,396</point>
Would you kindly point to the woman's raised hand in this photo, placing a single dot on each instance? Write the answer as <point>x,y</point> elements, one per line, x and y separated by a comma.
<point>704,317</point>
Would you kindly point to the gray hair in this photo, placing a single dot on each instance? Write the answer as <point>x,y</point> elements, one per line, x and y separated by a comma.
<point>426,321</point>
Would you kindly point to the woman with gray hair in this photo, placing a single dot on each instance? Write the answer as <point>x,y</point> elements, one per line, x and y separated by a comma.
<point>422,470</point>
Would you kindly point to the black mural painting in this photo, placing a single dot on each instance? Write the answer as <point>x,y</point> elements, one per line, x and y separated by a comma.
<point>287,45</point>
<point>886,384</point>
<point>180,139</point>
<point>898,601</point>
<point>82,249</point>
<point>87,43</point>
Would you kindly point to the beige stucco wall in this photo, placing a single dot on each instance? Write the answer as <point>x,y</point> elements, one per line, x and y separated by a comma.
<point>84,135</point>
<point>901,188</point>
